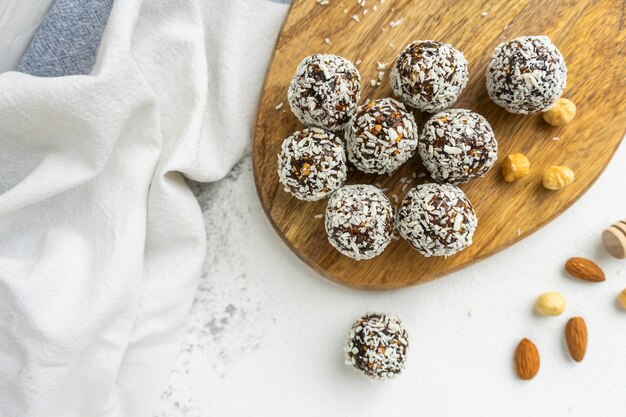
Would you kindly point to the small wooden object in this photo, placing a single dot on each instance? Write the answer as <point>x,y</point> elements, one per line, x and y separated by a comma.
<point>614,239</point>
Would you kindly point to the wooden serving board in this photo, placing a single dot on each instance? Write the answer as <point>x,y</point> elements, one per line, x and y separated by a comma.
<point>591,36</point>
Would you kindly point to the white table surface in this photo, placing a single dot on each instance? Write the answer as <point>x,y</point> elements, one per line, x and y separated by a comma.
<point>267,332</point>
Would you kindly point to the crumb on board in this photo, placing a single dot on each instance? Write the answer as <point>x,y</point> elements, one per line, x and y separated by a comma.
<point>356,18</point>
<point>323,2</point>
<point>319,216</point>
<point>358,62</point>
<point>395,23</point>
<point>556,138</point>
<point>279,106</point>
<point>373,83</point>
<point>484,14</point>
<point>327,41</point>
<point>519,232</point>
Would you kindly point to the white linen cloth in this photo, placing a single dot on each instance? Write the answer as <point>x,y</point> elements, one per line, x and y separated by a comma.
<point>101,241</point>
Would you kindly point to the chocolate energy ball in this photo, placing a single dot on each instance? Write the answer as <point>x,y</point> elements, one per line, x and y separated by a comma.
<point>325,91</point>
<point>526,75</point>
<point>381,137</point>
<point>429,75</point>
<point>377,346</point>
<point>359,221</point>
<point>312,164</point>
<point>457,146</point>
<point>437,219</point>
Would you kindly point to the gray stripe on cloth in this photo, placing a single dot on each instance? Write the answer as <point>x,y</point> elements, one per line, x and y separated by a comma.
<point>68,40</point>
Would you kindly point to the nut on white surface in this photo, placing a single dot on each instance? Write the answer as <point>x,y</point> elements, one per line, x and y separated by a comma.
<point>622,298</point>
<point>550,304</point>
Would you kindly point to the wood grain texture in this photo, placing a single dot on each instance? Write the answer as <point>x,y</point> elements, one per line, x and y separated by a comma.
<point>591,36</point>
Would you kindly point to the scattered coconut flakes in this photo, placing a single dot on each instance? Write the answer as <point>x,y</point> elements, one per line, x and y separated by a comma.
<point>358,62</point>
<point>519,232</point>
<point>323,2</point>
<point>373,83</point>
<point>279,106</point>
<point>395,23</point>
<point>356,18</point>
<point>345,11</point>
<point>381,66</point>
<point>381,75</point>
<point>391,45</point>
<point>374,8</point>
<point>319,216</point>
<point>556,138</point>
<point>365,12</point>
<point>327,41</point>
<point>484,14</point>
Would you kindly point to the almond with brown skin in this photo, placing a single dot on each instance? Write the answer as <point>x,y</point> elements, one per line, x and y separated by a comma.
<point>576,338</point>
<point>526,359</point>
<point>584,269</point>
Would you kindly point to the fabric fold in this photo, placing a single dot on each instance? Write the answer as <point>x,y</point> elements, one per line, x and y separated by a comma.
<point>101,241</point>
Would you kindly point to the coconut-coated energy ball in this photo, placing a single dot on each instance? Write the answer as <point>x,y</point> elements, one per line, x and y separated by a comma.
<point>312,164</point>
<point>526,75</point>
<point>359,221</point>
<point>377,346</point>
<point>429,75</point>
<point>437,219</point>
<point>457,146</point>
<point>325,91</point>
<point>381,137</point>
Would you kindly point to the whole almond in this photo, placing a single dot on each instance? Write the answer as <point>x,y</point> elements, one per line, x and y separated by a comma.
<point>576,338</point>
<point>526,359</point>
<point>584,269</point>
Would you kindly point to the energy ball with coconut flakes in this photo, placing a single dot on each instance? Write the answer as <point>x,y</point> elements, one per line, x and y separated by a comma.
<point>312,164</point>
<point>526,75</point>
<point>325,91</point>
<point>457,146</point>
<point>437,219</point>
<point>381,137</point>
<point>377,346</point>
<point>429,75</point>
<point>359,221</point>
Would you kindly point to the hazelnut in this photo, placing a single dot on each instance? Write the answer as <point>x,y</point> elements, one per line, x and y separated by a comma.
<point>561,113</point>
<point>515,166</point>
<point>557,177</point>
<point>550,304</point>
<point>622,298</point>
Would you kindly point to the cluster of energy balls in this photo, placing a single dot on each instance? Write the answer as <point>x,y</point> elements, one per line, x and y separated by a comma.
<point>524,75</point>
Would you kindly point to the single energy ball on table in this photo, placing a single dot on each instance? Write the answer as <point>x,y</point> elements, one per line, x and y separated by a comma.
<point>429,75</point>
<point>359,221</point>
<point>457,146</point>
<point>325,91</point>
<point>312,164</point>
<point>377,346</point>
<point>526,75</point>
<point>381,137</point>
<point>437,219</point>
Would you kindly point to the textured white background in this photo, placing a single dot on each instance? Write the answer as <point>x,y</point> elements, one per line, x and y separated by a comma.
<point>266,332</point>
